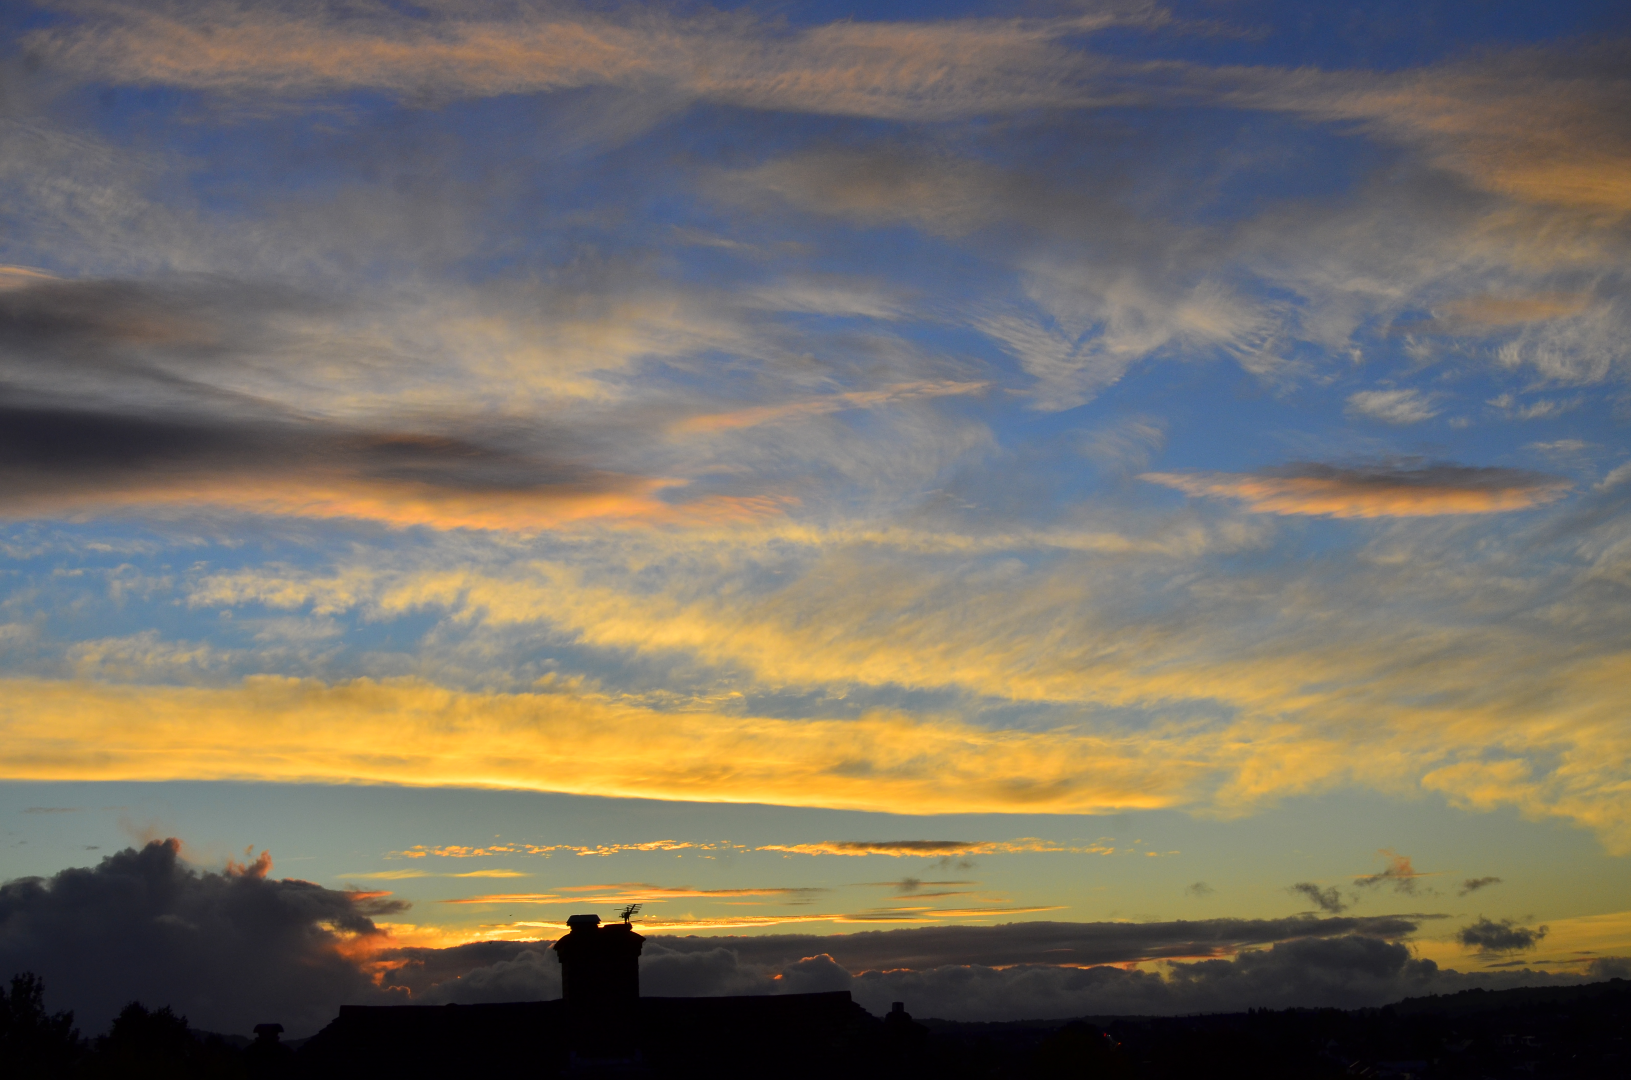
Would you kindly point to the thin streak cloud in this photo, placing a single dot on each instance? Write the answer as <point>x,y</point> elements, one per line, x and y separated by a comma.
<point>1427,490</point>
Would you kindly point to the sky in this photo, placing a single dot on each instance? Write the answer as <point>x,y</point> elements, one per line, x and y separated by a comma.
<point>1040,508</point>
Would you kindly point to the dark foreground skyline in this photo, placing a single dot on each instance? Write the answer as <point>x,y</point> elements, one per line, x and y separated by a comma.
<point>1569,1033</point>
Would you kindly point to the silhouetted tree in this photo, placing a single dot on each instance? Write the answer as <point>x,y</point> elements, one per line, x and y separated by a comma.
<point>156,1044</point>
<point>34,1043</point>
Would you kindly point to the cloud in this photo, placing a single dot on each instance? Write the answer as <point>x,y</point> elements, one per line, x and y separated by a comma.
<point>1474,314</point>
<point>749,964</point>
<point>1043,942</point>
<point>532,974</point>
<point>1384,490</point>
<point>1501,938</point>
<point>1393,406</point>
<point>935,847</point>
<point>1200,890</point>
<point>296,729</point>
<point>1472,885</point>
<point>823,405</point>
<point>1341,971</point>
<point>62,463</point>
<point>630,892</point>
<point>233,948</point>
<point>1403,877</point>
<point>1325,899</point>
<point>924,70</point>
<point>402,875</point>
<point>1538,125</point>
<point>127,397</point>
<point>227,949</point>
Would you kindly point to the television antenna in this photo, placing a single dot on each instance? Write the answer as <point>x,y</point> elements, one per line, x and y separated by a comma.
<point>629,912</point>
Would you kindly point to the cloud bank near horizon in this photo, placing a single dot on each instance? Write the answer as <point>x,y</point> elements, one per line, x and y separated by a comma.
<point>237,947</point>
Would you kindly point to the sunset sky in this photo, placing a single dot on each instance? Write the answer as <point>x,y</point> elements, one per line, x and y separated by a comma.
<point>812,468</point>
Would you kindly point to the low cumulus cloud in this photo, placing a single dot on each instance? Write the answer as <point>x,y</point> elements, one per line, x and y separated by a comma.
<point>1389,489</point>
<point>1492,938</point>
<point>228,949</point>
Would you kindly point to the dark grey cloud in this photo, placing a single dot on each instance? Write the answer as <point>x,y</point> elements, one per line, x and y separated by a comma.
<point>143,326</point>
<point>530,974</point>
<point>1610,967</point>
<point>1343,972</point>
<point>45,448</point>
<point>1199,890</point>
<point>1045,942</point>
<point>1472,885</point>
<point>229,950</point>
<point>1498,938</point>
<point>1346,971</point>
<point>1325,899</point>
<point>112,391</point>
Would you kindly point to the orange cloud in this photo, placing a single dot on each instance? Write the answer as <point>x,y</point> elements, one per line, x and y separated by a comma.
<point>920,848</point>
<point>632,892</point>
<point>619,501</point>
<point>1543,127</point>
<point>1382,491</point>
<point>1474,312</point>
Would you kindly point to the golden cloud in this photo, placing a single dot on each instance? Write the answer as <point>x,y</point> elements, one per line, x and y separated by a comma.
<point>1382,491</point>
<point>408,732</point>
<point>618,501</point>
<point>921,848</point>
<point>1302,724</point>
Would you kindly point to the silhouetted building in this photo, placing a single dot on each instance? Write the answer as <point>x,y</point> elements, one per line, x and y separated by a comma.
<point>603,1027</point>
<point>600,965</point>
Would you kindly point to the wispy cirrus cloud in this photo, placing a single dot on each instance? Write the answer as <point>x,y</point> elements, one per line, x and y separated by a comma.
<point>1404,406</point>
<point>822,405</point>
<point>899,70</point>
<point>1387,490</point>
